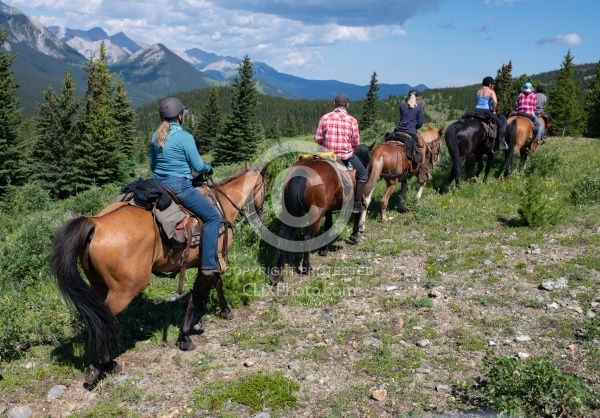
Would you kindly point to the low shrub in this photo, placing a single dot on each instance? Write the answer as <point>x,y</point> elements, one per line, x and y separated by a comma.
<point>530,388</point>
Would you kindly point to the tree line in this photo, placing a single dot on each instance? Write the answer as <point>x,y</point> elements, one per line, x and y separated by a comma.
<point>73,144</point>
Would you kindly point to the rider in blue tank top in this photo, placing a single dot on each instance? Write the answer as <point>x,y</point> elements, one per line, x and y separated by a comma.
<point>486,102</point>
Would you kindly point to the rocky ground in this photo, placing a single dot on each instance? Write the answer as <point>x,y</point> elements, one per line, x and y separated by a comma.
<point>320,347</point>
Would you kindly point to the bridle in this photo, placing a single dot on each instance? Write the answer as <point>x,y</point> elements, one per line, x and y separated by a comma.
<point>257,194</point>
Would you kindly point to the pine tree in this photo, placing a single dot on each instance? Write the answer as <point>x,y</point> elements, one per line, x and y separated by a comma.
<point>291,129</point>
<point>504,88</point>
<point>56,124</point>
<point>97,160</point>
<point>592,106</point>
<point>210,123</point>
<point>565,114</point>
<point>241,132</point>
<point>10,121</point>
<point>370,111</point>
<point>131,148</point>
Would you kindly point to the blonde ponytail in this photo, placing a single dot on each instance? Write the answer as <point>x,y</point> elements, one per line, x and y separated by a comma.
<point>163,130</point>
<point>411,101</point>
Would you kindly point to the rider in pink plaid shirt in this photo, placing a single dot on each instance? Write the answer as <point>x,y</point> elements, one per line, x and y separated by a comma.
<point>338,132</point>
<point>527,103</point>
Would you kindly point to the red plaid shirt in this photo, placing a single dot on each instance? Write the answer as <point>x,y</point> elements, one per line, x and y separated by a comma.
<point>338,132</point>
<point>527,103</point>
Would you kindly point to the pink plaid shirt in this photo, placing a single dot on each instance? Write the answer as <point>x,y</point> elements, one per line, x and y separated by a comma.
<point>338,132</point>
<point>527,103</point>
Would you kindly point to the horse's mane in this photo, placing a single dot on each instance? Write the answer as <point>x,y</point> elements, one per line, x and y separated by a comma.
<point>233,177</point>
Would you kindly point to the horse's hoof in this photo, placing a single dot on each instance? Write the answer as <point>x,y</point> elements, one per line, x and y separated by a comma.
<point>91,375</point>
<point>323,253</point>
<point>353,239</point>
<point>305,270</point>
<point>186,344</point>
<point>227,315</point>
<point>402,210</point>
<point>113,368</point>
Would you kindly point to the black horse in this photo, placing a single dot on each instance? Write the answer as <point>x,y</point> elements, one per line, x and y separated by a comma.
<point>314,190</point>
<point>463,138</point>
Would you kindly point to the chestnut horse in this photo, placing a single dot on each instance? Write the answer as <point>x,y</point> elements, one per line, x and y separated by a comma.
<point>389,160</point>
<point>120,248</point>
<point>520,138</point>
<point>464,138</point>
<point>314,189</point>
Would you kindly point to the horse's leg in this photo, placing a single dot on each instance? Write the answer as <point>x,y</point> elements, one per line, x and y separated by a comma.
<point>311,231</point>
<point>198,297</point>
<point>420,192</point>
<point>478,166</point>
<point>488,165</point>
<point>353,239</point>
<point>218,285</point>
<point>524,153</point>
<point>402,200</point>
<point>119,286</point>
<point>363,214</point>
<point>391,185</point>
<point>328,224</point>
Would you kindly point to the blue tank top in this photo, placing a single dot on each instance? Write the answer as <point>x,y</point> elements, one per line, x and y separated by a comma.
<point>484,102</point>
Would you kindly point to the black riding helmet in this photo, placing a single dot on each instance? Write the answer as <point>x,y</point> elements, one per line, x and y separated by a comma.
<point>488,81</point>
<point>413,91</point>
<point>540,89</point>
<point>170,108</point>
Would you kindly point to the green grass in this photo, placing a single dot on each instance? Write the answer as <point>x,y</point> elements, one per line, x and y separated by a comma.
<point>449,238</point>
<point>258,391</point>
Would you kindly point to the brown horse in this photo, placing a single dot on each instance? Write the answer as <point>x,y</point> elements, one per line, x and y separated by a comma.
<point>314,189</point>
<point>120,248</point>
<point>520,137</point>
<point>389,160</point>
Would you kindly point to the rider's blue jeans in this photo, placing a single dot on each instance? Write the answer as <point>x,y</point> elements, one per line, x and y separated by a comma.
<point>539,131</point>
<point>195,201</point>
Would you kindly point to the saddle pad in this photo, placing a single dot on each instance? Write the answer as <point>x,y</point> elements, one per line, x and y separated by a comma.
<point>329,155</point>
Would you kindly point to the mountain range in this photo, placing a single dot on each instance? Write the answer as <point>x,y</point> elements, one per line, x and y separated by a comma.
<point>43,55</point>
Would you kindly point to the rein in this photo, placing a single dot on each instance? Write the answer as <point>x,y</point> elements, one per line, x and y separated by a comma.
<point>258,208</point>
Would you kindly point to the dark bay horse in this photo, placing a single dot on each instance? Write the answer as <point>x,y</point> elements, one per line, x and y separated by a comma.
<point>120,248</point>
<point>520,137</point>
<point>389,160</point>
<point>313,190</point>
<point>464,138</point>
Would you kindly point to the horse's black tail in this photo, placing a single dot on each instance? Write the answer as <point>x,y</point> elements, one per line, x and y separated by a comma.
<point>70,244</point>
<point>511,134</point>
<point>294,207</point>
<point>451,138</point>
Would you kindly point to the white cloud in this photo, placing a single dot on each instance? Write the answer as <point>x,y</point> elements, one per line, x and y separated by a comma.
<point>570,39</point>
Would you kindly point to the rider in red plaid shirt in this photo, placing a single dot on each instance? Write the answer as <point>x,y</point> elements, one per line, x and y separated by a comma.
<point>338,132</point>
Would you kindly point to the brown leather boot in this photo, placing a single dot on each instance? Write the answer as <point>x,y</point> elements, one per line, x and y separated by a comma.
<point>359,190</point>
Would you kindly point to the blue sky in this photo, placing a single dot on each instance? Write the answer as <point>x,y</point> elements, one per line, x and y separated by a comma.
<point>439,43</point>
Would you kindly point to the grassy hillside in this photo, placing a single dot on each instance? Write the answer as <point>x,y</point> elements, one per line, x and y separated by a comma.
<point>460,290</point>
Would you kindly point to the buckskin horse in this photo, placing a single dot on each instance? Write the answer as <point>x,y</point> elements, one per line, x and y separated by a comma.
<point>313,189</point>
<point>120,248</point>
<point>389,160</point>
<point>464,138</point>
<point>520,138</point>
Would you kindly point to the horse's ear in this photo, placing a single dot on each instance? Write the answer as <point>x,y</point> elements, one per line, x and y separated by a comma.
<point>372,146</point>
<point>441,131</point>
<point>246,165</point>
<point>429,126</point>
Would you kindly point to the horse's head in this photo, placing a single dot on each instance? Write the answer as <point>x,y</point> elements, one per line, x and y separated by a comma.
<point>433,140</point>
<point>256,199</point>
